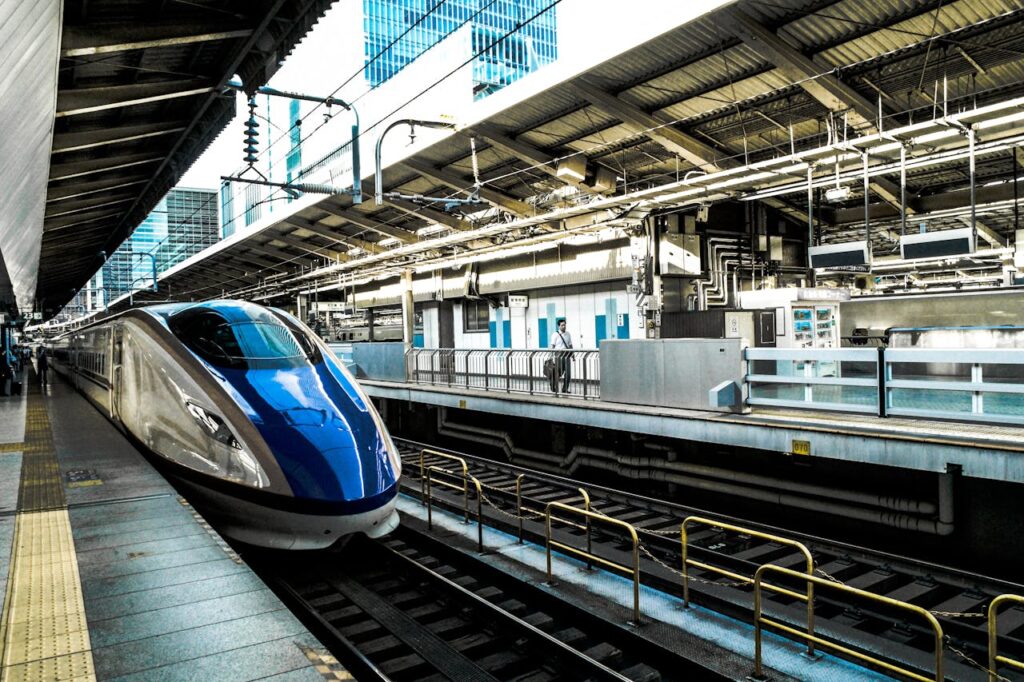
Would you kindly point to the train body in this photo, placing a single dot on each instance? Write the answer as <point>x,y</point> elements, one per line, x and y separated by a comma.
<point>249,412</point>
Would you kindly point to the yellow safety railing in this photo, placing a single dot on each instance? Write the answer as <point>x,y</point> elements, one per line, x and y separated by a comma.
<point>466,480</point>
<point>994,659</point>
<point>519,511</point>
<point>590,516</point>
<point>799,546</point>
<point>760,621</point>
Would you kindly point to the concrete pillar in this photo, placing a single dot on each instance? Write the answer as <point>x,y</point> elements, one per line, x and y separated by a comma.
<point>407,310</point>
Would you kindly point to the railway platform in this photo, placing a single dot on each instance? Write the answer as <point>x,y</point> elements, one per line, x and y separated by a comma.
<point>107,573</point>
<point>986,451</point>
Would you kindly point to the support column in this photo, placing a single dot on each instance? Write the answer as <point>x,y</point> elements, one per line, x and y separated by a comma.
<point>407,310</point>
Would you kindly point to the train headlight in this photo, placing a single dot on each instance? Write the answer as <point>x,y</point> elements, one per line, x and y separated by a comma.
<point>213,424</point>
<point>240,465</point>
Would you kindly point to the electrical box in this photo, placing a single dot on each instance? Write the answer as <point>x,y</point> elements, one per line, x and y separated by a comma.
<point>770,246</point>
<point>679,254</point>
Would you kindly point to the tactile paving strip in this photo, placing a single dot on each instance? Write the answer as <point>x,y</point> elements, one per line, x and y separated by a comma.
<point>40,473</point>
<point>43,633</point>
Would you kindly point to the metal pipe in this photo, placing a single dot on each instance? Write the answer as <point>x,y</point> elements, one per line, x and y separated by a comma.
<point>971,135</point>
<point>903,189</point>
<point>407,310</point>
<point>867,208</point>
<point>378,172</point>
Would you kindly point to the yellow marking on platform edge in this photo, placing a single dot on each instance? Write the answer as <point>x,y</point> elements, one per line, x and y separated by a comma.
<point>11,447</point>
<point>43,630</point>
<point>45,634</point>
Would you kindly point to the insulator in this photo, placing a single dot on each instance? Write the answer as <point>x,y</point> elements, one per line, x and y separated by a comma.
<point>251,139</point>
<point>249,149</point>
<point>314,188</point>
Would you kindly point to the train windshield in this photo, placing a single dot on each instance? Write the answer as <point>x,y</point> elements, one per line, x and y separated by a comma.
<point>256,342</point>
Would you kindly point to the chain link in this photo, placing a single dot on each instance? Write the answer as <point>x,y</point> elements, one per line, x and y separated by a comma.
<point>529,514</point>
<point>971,662</point>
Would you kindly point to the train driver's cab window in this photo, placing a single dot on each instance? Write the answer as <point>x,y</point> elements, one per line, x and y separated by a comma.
<point>254,343</point>
<point>476,316</point>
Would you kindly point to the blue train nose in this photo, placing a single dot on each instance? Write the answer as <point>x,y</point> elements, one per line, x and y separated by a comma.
<point>326,443</point>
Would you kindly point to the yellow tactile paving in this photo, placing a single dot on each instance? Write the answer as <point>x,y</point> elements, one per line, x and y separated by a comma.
<point>43,630</point>
<point>11,447</point>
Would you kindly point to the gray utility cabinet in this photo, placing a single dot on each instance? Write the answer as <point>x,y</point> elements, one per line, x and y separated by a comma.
<point>669,372</point>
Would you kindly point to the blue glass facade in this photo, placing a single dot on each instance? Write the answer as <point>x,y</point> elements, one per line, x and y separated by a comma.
<point>182,224</point>
<point>506,47</point>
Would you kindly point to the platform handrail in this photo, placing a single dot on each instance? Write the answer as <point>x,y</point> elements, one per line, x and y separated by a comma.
<point>590,516</point>
<point>994,659</point>
<point>760,621</point>
<point>424,482</point>
<point>509,370</point>
<point>711,523</point>
<point>520,509</point>
<point>808,377</point>
<point>469,478</point>
<point>979,384</point>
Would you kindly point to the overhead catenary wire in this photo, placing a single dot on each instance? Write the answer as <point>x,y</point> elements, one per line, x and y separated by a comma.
<point>492,180</point>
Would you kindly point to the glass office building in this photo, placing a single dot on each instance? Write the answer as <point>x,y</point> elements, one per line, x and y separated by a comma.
<point>184,223</point>
<point>505,46</point>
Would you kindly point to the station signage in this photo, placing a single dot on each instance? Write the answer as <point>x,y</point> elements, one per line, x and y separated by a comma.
<point>518,301</point>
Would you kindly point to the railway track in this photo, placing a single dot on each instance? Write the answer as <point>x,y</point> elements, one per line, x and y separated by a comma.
<point>956,598</point>
<point>409,607</point>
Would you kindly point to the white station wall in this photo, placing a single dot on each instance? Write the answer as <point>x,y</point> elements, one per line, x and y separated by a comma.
<point>592,312</point>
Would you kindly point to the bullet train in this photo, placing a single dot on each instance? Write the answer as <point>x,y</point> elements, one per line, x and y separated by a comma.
<point>249,413</point>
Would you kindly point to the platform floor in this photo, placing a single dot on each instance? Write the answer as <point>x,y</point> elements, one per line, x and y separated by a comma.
<point>106,573</point>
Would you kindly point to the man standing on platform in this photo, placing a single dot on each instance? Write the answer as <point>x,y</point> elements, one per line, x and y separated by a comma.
<point>561,340</point>
<point>42,364</point>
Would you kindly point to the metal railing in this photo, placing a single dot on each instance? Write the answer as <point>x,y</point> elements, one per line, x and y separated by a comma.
<point>574,373</point>
<point>844,379</point>
<point>971,384</point>
<point>428,481</point>
<point>760,621</point>
<point>963,384</point>
<point>786,542</point>
<point>633,571</point>
<point>994,659</point>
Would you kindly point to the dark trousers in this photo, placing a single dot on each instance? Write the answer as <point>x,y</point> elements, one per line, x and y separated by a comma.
<point>563,369</point>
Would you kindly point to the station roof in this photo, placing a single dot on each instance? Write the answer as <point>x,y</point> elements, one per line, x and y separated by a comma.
<point>139,96</point>
<point>739,93</point>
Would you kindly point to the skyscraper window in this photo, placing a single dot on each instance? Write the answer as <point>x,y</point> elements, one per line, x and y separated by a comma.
<point>505,46</point>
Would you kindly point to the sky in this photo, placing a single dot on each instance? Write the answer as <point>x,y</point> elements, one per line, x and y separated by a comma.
<point>589,32</point>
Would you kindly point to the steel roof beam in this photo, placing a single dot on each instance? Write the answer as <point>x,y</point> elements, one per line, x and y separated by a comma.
<point>276,264</point>
<point>88,204</point>
<point>817,81</point>
<point>283,258</point>
<point>356,218</point>
<point>85,40</point>
<point>77,169</point>
<point>461,184</point>
<point>328,233</point>
<point>984,231</point>
<point>89,100</point>
<point>658,127</point>
<point>317,251</point>
<point>82,189</point>
<point>428,214</point>
<point>538,159</point>
<point>90,139</point>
